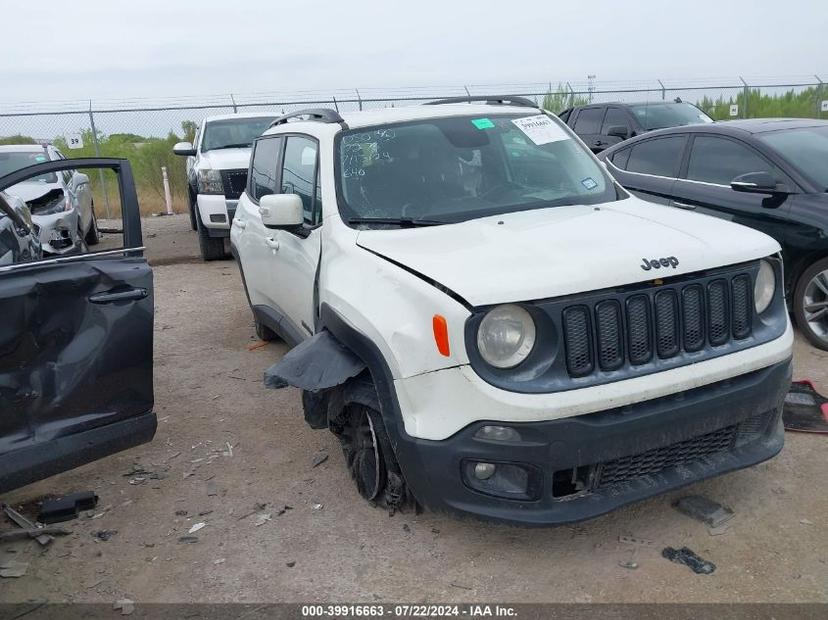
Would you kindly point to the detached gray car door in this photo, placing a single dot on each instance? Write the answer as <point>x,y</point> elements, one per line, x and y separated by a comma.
<point>75,346</point>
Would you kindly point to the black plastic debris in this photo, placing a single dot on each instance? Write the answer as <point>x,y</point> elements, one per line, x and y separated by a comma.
<point>805,410</point>
<point>104,534</point>
<point>690,559</point>
<point>66,508</point>
<point>318,363</point>
<point>705,510</point>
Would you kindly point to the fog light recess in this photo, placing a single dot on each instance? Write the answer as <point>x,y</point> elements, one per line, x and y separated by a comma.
<point>507,480</point>
<point>497,433</point>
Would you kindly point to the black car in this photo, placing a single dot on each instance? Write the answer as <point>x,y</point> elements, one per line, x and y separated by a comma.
<point>75,345</point>
<point>602,125</point>
<point>19,241</point>
<point>769,174</point>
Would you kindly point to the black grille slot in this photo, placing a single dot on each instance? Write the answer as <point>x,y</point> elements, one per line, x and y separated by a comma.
<point>234,183</point>
<point>667,323</point>
<point>609,326</point>
<point>692,305</point>
<point>742,306</point>
<point>638,329</point>
<point>718,328</point>
<point>653,461</point>
<point>578,341</point>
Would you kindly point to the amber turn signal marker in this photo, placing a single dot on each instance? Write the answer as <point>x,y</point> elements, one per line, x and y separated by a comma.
<point>441,334</point>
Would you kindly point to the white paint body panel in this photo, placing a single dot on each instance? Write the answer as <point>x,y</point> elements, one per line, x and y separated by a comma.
<point>531,255</point>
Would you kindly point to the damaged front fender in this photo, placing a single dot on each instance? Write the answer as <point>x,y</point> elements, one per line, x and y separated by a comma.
<point>318,363</point>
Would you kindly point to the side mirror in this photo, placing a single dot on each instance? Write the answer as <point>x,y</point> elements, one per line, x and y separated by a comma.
<point>619,131</point>
<point>185,149</point>
<point>756,183</point>
<point>281,210</point>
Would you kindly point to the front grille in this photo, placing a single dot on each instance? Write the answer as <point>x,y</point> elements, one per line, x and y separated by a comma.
<point>234,183</point>
<point>662,323</point>
<point>653,461</point>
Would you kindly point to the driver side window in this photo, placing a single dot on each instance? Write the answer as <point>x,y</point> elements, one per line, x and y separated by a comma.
<point>299,175</point>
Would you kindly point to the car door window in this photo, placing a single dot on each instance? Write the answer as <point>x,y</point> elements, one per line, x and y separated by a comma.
<point>718,160</point>
<point>615,117</point>
<point>299,174</point>
<point>659,157</point>
<point>263,178</point>
<point>620,159</point>
<point>589,121</point>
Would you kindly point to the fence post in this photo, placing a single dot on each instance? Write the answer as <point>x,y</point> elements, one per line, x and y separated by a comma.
<point>818,97</point>
<point>167,195</point>
<point>359,99</point>
<point>571,95</point>
<point>663,91</point>
<point>98,154</point>
<point>336,105</point>
<point>468,94</point>
<point>233,102</point>
<point>746,91</point>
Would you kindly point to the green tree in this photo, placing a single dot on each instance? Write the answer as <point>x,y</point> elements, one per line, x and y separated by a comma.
<point>17,139</point>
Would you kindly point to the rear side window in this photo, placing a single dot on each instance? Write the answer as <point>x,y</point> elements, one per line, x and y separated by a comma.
<point>660,157</point>
<point>263,169</point>
<point>299,173</point>
<point>615,118</point>
<point>716,160</point>
<point>589,120</point>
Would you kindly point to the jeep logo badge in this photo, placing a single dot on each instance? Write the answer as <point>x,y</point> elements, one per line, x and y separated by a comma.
<point>658,263</point>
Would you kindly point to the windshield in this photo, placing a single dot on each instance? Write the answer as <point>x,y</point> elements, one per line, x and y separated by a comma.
<point>236,132</point>
<point>660,115</point>
<point>805,148</point>
<point>11,161</point>
<point>455,169</point>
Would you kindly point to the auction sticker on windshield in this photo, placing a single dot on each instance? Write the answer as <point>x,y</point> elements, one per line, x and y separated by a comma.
<point>540,129</point>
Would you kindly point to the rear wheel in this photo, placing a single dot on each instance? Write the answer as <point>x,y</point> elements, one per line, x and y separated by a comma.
<point>263,332</point>
<point>93,237</point>
<point>811,304</point>
<point>370,457</point>
<point>212,248</point>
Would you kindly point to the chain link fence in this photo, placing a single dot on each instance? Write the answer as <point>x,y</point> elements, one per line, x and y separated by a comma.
<point>144,130</point>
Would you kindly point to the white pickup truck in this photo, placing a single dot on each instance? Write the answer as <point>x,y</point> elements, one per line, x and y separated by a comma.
<point>491,325</point>
<point>217,162</point>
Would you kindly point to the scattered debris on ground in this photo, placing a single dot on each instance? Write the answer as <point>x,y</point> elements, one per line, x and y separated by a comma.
<point>13,568</point>
<point>690,559</point>
<point>319,459</point>
<point>126,606</point>
<point>66,508</point>
<point>628,564</point>
<point>635,541</point>
<point>705,510</point>
<point>33,533</point>
<point>104,534</point>
<point>196,527</point>
<point>23,522</point>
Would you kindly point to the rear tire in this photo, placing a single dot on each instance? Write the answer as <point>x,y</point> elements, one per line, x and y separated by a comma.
<point>191,202</point>
<point>263,332</point>
<point>212,248</point>
<point>93,237</point>
<point>811,304</point>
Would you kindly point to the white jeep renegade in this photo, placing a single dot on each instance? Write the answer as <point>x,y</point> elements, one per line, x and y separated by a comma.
<point>491,325</point>
<point>217,162</point>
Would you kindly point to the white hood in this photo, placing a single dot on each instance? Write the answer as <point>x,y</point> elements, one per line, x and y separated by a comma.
<point>565,250</point>
<point>31,190</point>
<point>225,159</point>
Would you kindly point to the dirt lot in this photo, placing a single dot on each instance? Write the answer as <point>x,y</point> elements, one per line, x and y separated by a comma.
<point>225,444</point>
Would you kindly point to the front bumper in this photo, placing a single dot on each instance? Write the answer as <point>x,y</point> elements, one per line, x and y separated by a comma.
<point>58,232</point>
<point>216,213</point>
<point>616,456</point>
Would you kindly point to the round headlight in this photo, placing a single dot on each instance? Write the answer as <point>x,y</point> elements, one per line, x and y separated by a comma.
<point>764,287</point>
<point>506,336</point>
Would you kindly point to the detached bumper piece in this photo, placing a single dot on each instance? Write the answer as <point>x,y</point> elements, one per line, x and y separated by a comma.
<point>576,468</point>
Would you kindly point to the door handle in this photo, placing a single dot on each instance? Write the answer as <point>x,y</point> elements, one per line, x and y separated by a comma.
<point>239,223</point>
<point>133,294</point>
<point>272,243</point>
<point>684,205</point>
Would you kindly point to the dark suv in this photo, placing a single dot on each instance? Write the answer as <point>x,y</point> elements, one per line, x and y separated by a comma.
<point>602,125</point>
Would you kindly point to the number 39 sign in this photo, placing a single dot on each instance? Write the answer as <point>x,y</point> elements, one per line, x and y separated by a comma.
<point>74,141</point>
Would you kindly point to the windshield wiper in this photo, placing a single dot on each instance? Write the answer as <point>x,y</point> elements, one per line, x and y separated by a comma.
<point>231,146</point>
<point>402,222</point>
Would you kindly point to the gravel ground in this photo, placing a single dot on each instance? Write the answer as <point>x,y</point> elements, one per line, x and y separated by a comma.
<point>234,456</point>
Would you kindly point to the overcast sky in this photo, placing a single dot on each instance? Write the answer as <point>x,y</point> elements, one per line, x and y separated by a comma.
<point>54,50</point>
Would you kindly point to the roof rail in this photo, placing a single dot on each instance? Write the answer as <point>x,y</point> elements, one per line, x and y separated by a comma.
<point>522,102</point>
<point>323,115</point>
